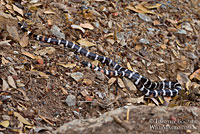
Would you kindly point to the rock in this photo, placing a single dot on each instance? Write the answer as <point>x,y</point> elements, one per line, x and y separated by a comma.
<point>56,31</point>
<point>77,1</point>
<point>120,36</point>
<point>77,76</point>
<point>144,17</point>
<point>181,31</point>
<point>96,24</point>
<point>107,121</point>
<point>38,129</point>
<point>101,95</point>
<point>5,97</point>
<point>129,85</point>
<point>151,30</point>
<point>6,117</point>
<point>187,26</point>
<point>144,41</point>
<point>33,1</point>
<point>87,82</point>
<point>100,75</point>
<point>71,100</point>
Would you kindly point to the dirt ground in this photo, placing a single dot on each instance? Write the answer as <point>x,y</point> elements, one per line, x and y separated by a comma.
<point>137,120</point>
<point>44,88</point>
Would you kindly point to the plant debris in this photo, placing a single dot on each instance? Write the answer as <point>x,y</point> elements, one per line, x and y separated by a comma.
<point>44,85</point>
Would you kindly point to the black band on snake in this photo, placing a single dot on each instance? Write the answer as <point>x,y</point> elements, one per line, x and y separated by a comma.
<point>146,86</point>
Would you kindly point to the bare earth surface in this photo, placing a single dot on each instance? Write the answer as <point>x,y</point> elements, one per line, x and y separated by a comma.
<point>142,119</point>
<point>45,89</point>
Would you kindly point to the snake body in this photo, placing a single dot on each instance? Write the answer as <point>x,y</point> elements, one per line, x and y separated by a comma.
<point>146,86</point>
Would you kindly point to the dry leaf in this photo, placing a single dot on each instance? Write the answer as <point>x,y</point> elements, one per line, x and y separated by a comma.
<point>167,100</point>
<point>87,82</point>
<point>67,65</point>
<point>4,61</point>
<point>88,98</point>
<point>45,120</point>
<point>39,60</point>
<point>21,118</point>
<point>4,124</point>
<point>7,16</point>
<point>64,90</point>
<point>163,46</point>
<point>143,9</point>
<point>156,22</point>
<point>28,54</point>
<point>155,101</point>
<point>42,74</point>
<point>5,42</point>
<point>13,32</point>
<point>136,100</point>
<point>87,25</point>
<point>5,85</point>
<point>196,75</point>
<point>49,22</point>
<point>84,93</point>
<point>49,12</point>
<point>171,29</point>
<point>140,9</point>
<point>188,85</point>
<point>11,82</point>
<point>84,42</point>
<point>19,10</point>
<point>182,78</point>
<point>78,27</point>
<point>138,47</point>
<point>133,9</point>
<point>176,54</point>
<point>47,50</point>
<point>111,41</point>
<point>172,21</point>
<point>129,66</point>
<point>177,42</point>
<point>111,81</point>
<point>152,6</point>
<point>24,41</point>
<point>96,62</point>
<point>161,100</point>
<point>121,83</point>
<point>108,35</point>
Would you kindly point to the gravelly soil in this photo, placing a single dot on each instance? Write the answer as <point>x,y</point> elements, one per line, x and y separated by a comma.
<point>35,83</point>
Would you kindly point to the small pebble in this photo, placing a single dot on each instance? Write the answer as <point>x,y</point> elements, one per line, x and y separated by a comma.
<point>120,36</point>
<point>33,1</point>
<point>187,26</point>
<point>144,17</point>
<point>101,95</point>
<point>97,24</point>
<point>144,41</point>
<point>100,75</point>
<point>77,76</point>
<point>56,31</point>
<point>77,1</point>
<point>5,117</point>
<point>71,100</point>
<point>182,31</point>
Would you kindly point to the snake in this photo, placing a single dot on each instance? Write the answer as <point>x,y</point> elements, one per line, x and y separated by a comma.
<point>145,85</point>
